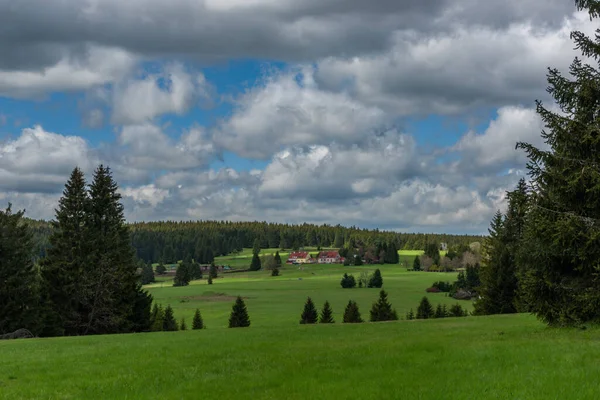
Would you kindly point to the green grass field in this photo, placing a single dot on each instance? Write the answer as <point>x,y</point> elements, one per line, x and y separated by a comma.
<point>498,357</point>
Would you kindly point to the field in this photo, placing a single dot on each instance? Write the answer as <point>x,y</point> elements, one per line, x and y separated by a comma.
<point>499,357</point>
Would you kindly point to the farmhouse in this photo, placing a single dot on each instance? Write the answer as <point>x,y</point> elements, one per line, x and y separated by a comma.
<point>330,257</point>
<point>299,257</point>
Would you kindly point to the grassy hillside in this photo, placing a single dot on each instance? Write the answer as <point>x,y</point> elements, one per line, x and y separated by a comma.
<point>501,357</point>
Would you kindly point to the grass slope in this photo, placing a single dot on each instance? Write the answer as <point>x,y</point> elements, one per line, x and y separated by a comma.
<point>501,357</point>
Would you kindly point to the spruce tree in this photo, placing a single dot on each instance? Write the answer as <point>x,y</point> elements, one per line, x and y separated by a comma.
<point>425,309</point>
<point>255,264</point>
<point>66,262</point>
<point>309,314</point>
<point>560,251</point>
<point>19,290</point>
<point>457,311</point>
<point>278,259</point>
<point>352,313</point>
<point>376,281</point>
<point>417,264</point>
<point>169,321</point>
<point>439,312</point>
<point>326,314</point>
<point>239,315</point>
<point>382,309</point>
<point>157,317</point>
<point>212,270</point>
<point>182,325</point>
<point>410,315</point>
<point>197,322</point>
<point>182,275</point>
<point>195,271</point>
<point>160,269</point>
<point>147,274</point>
<point>210,282</point>
<point>275,272</point>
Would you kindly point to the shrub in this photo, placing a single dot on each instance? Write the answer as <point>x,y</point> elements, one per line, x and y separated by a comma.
<point>348,281</point>
<point>309,314</point>
<point>275,272</point>
<point>433,290</point>
<point>352,313</point>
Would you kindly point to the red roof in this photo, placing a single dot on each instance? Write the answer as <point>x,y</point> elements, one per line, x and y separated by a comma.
<point>329,254</point>
<point>298,254</point>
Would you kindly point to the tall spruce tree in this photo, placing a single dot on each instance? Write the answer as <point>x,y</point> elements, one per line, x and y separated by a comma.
<point>19,282</point>
<point>255,264</point>
<point>239,314</point>
<point>561,243</point>
<point>309,314</point>
<point>147,275</point>
<point>352,313</point>
<point>182,275</point>
<point>382,309</point>
<point>417,264</point>
<point>169,321</point>
<point>277,259</point>
<point>66,263</point>
<point>197,322</point>
<point>425,309</point>
<point>376,281</point>
<point>111,284</point>
<point>326,314</point>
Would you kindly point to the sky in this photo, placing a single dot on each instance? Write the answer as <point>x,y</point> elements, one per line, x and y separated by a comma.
<point>393,114</point>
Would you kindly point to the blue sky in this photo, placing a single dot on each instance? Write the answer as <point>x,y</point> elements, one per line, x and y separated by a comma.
<point>280,111</point>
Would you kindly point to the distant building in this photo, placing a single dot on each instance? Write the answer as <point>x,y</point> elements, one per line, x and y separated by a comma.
<point>330,257</point>
<point>299,257</point>
<point>444,246</point>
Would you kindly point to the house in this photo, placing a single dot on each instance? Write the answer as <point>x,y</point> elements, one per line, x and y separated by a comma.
<point>330,257</point>
<point>299,257</point>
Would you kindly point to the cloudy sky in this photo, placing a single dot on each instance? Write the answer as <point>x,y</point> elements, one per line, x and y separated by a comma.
<point>397,114</point>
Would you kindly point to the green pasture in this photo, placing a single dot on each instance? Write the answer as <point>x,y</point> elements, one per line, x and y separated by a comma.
<point>500,357</point>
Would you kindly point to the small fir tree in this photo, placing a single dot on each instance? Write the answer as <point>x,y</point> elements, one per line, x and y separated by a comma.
<point>348,281</point>
<point>382,309</point>
<point>169,322</point>
<point>212,270</point>
<point>275,272</point>
<point>255,264</point>
<point>417,264</point>
<point>457,311</point>
<point>376,280</point>
<point>278,259</point>
<point>182,325</point>
<point>309,314</point>
<point>239,315</point>
<point>425,309</point>
<point>182,275</point>
<point>160,269</point>
<point>195,271</point>
<point>352,313</point>
<point>147,274</point>
<point>210,280</point>
<point>326,314</point>
<point>157,317</point>
<point>197,322</point>
<point>410,315</point>
<point>439,312</point>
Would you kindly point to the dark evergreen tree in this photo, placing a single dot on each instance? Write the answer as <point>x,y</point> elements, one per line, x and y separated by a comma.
<point>358,260</point>
<point>275,272</point>
<point>169,321</point>
<point>182,325</point>
<point>160,269</point>
<point>255,264</point>
<point>147,275</point>
<point>239,315</point>
<point>182,275</point>
<point>417,264</point>
<point>457,311</point>
<point>382,309</point>
<point>256,247</point>
<point>278,259</point>
<point>376,281</point>
<point>195,271</point>
<point>140,318</point>
<point>560,252</point>
<point>66,261</point>
<point>352,313</point>
<point>19,290</point>
<point>326,314</point>
<point>432,250</point>
<point>309,314</point>
<point>410,315</point>
<point>197,323</point>
<point>210,282</point>
<point>439,312</point>
<point>425,309</point>
<point>348,281</point>
<point>157,317</point>
<point>212,271</point>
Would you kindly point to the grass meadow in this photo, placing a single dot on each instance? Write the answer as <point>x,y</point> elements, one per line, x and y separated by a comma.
<point>496,357</point>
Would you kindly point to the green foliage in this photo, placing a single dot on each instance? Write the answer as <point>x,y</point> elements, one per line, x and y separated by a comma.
<point>275,272</point>
<point>182,275</point>
<point>197,322</point>
<point>212,270</point>
<point>425,309</point>
<point>440,312</point>
<point>358,260</point>
<point>376,280</point>
<point>352,313</point>
<point>140,317</point>
<point>417,264</point>
<point>210,280</point>
<point>309,314</point>
<point>239,315</point>
<point>382,309</point>
<point>348,281</point>
<point>147,275</point>
<point>169,322</point>
<point>195,271</point>
<point>326,314</point>
<point>157,317</point>
<point>278,260</point>
<point>410,315</point>
<point>160,269</point>
<point>182,325</point>
<point>256,247</point>
<point>19,290</point>
<point>255,265</point>
<point>442,286</point>
<point>432,250</point>
<point>457,311</point>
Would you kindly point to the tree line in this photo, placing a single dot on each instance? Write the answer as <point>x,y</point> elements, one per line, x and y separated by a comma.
<point>542,253</point>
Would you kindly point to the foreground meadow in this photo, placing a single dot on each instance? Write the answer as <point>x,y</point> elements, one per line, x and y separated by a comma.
<point>499,357</point>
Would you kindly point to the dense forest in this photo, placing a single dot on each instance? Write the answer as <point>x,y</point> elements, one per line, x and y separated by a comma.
<point>169,241</point>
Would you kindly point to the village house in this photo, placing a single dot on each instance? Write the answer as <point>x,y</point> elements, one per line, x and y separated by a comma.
<point>299,257</point>
<point>330,257</point>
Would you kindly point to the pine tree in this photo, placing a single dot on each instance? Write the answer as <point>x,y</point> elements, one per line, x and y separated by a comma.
<point>157,317</point>
<point>195,271</point>
<point>410,315</point>
<point>425,309</point>
<point>239,315</point>
<point>439,312</point>
<point>182,325</point>
<point>197,323</point>
<point>182,275</point>
<point>560,252</point>
<point>352,313</point>
<point>278,259</point>
<point>160,269</point>
<point>19,292</point>
<point>326,314</point>
<point>457,311</point>
<point>255,264</point>
<point>169,321</point>
<point>309,314</point>
<point>147,274</point>
<point>376,280</point>
<point>382,309</point>
<point>140,317</point>
<point>417,264</point>
<point>348,281</point>
<point>212,271</point>
<point>66,261</point>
